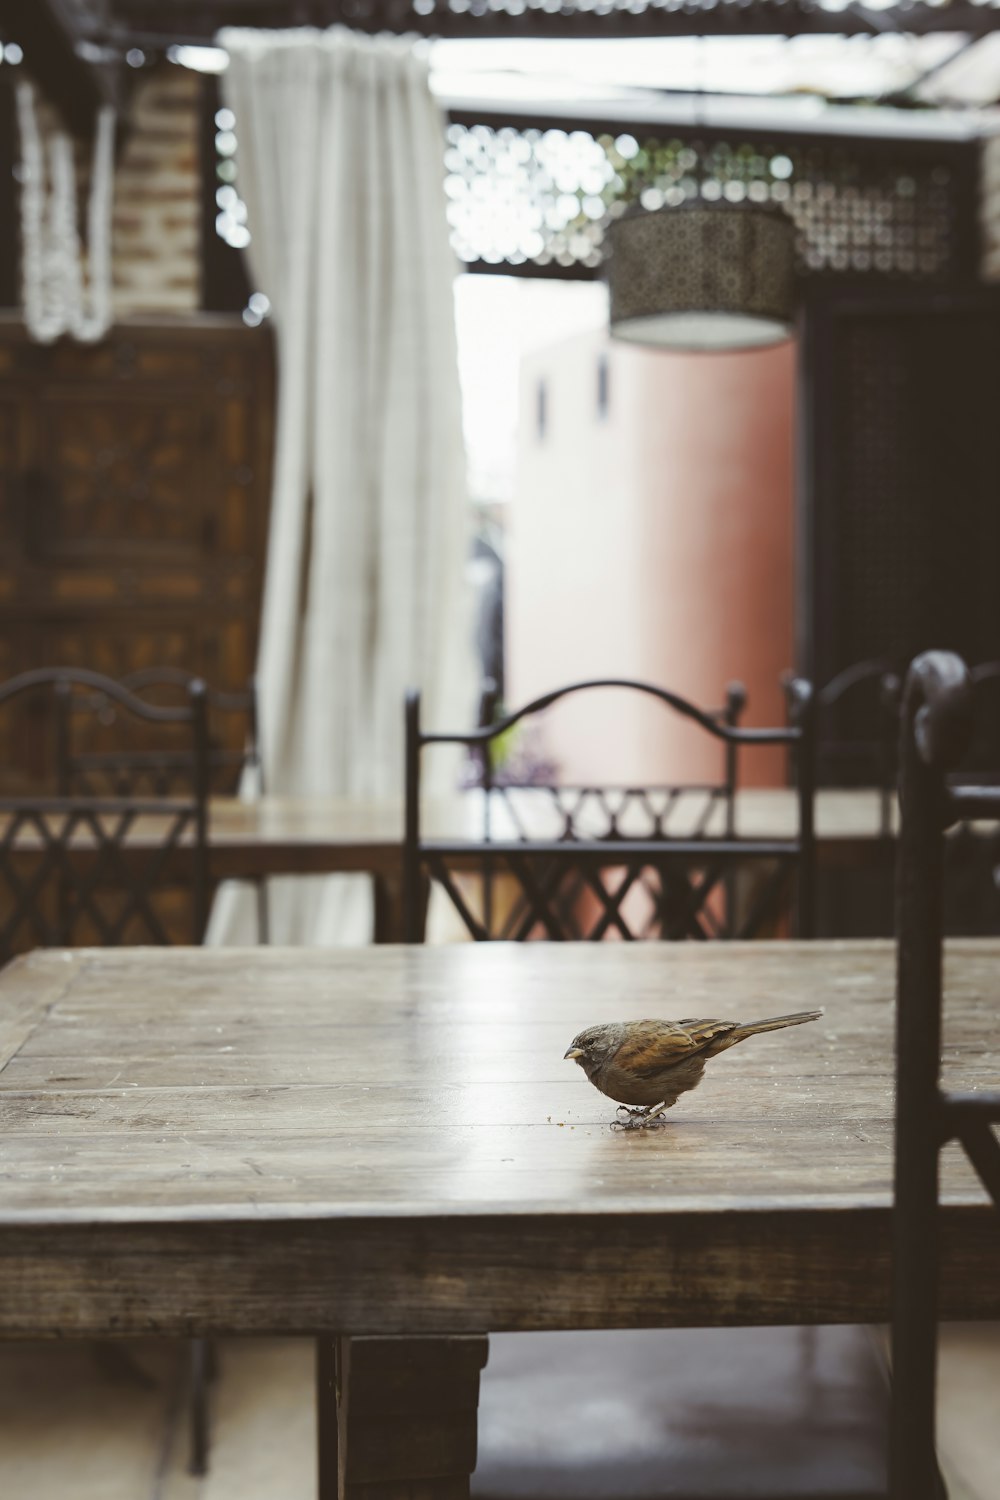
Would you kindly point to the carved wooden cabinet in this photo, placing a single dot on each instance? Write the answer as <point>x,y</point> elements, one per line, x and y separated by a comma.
<point>899,532</point>
<point>134,481</point>
<point>899,522</point>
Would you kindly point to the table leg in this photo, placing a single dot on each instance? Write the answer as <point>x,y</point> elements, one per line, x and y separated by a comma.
<point>406,1417</point>
<point>388,890</point>
<point>326,1417</point>
<point>390,926</point>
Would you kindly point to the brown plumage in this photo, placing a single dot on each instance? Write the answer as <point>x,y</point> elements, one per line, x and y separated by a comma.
<point>651,1063</point>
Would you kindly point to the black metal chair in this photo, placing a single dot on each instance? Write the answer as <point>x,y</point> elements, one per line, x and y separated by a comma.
<point>616,807</point>
<point>936,728</point>
<point>92,759</point>
<point>613,860</point>
<point>69,873</point>
<point>980,762</point>
<point>857,719</point>
<point>70,876</point>
<point>857,728</point>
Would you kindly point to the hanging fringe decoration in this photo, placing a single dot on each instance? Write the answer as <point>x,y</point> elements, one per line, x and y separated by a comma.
<point>57,297</point>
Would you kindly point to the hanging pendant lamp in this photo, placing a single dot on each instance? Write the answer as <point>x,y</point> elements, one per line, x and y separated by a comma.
<point>703,276</point>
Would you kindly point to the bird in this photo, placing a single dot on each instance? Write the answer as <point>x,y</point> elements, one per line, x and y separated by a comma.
<point>648,1065</point>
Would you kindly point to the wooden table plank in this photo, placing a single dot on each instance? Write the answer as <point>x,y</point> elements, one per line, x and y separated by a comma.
<point>303,1277</point>
<point>27,1006</point>
<point>270,1140</point>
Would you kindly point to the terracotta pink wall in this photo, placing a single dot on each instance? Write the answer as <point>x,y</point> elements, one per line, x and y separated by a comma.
<point>654,543</point>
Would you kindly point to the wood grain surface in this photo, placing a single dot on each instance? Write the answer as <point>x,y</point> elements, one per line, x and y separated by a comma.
<point>136,475</point>
<point>388,1141</point>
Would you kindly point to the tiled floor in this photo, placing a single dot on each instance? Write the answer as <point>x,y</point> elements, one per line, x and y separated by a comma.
<point>969,1410</point>
<point>109,1422</point>
<point>86,1422</point>
<point>721,1414</point>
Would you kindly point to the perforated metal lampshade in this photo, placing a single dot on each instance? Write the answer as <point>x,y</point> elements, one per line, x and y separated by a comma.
<point>703,276</point>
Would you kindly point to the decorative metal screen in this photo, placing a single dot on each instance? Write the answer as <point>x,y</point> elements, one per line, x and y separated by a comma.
<point>540,197</point>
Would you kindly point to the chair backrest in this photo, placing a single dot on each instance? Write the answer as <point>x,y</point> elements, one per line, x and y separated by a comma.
<point>573,810</point>
<point>102,750</point>
<point>981,761</point>
<point>936,727</point>
<point>590,862</point>
<point>857,730</point>
<point>91,870</point>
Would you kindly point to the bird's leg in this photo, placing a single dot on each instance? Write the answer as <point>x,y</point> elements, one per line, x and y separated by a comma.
<point>640,1118</point>
<point>626,1112</point>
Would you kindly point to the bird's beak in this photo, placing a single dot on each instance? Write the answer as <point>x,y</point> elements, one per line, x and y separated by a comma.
<point>573,1052</point>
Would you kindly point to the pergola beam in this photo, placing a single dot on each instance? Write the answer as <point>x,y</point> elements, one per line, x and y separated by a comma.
<point>159,22</point>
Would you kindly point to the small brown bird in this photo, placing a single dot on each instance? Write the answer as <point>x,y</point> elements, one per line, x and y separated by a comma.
<point>651,1063</point>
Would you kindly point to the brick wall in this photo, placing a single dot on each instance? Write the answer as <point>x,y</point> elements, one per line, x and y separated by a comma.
<point>156,229</point>
<point>156,236</point>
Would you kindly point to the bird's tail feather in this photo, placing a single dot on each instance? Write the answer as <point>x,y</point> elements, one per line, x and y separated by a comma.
<point>750,1028</point>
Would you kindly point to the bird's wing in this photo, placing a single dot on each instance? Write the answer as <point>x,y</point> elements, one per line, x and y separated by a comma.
<point>654,1045</point>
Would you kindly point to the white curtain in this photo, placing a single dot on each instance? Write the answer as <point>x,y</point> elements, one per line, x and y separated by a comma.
<point>340,164</point>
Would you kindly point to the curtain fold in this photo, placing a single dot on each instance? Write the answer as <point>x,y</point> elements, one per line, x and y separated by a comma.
<point>340,164</point>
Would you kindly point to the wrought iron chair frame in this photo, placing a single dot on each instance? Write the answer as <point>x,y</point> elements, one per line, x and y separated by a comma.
<point>715,792</point>
<point>983,675</point>
<point>886,673</point>
<point>160,768</point>
<point>615,802</point>
<point>936,725</point>
<point>720,855</point>
<point>106,819</point>
<point>75,810</point>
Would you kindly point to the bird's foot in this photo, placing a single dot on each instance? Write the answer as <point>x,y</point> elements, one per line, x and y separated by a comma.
<point>641,1118</point>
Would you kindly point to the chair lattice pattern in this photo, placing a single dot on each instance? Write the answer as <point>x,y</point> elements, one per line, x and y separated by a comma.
<point>610,813</point>
<point>71,872</point>
<point>150,773</point>
<point>580,893</point>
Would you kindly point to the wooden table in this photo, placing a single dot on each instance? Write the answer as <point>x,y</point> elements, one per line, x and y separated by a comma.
<point>384,1147</point>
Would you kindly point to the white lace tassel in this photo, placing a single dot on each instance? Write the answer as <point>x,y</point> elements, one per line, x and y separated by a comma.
<point>57,299</point>
<point>95,318</point>
<point>43,321</point>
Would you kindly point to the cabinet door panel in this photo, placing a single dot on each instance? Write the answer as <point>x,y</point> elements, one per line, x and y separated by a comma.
<point>134,481</point>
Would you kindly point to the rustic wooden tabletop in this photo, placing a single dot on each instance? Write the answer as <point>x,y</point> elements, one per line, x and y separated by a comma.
<point>388,1140</point>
